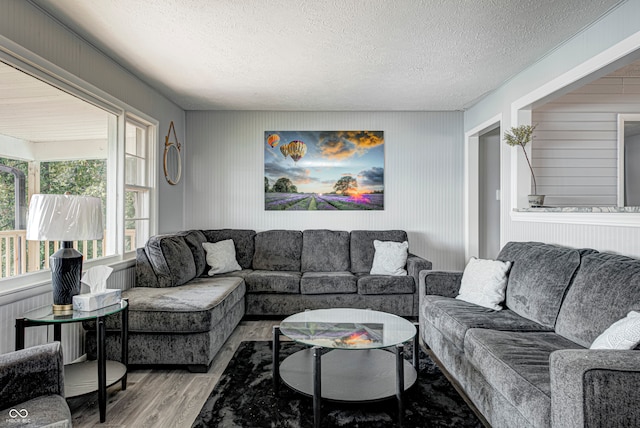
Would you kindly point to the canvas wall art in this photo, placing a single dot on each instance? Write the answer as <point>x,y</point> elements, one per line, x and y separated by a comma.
<point>323,170</point>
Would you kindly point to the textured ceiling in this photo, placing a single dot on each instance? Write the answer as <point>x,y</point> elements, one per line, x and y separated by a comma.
<point>326,54</point>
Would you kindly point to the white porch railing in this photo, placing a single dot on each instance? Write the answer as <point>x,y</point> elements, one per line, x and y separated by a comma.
<point>18,256</point>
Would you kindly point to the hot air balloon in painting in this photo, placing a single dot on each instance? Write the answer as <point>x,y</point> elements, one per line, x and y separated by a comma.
<point>284,150</point>
<point>296,149</point>
<point>273,140</point>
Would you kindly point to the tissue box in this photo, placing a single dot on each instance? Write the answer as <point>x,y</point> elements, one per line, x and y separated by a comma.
<point>93,301</point>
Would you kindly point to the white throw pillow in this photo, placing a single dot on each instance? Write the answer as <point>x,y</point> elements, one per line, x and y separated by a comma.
<point>390,258</point>
<point>221,256</point>
<point>622,334</point>
<point>484,282</point>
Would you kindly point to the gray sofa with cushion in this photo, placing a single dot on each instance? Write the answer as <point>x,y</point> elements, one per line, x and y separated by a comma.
<point>32,385</point>
<point>178,314</point>
<point>529,365</point>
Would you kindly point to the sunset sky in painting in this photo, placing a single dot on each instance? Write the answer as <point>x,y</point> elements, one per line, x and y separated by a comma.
<point>330,156</point>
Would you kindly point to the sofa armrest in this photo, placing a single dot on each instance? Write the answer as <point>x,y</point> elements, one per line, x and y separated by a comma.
<point>415,264</point>
<point>595,388</point>
<point>30,373</point>
<point>440,282</point>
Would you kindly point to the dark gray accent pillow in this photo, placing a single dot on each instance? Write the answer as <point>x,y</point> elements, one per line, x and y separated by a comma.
<point>278,250</point>
<point>325,251</point>
<point>145,276</point>
<point>194,240</point>
<point>539,277</point>
<point>171,259</point>
<point>362,249</point>
<point>605,289</point>
<point>243,240</point>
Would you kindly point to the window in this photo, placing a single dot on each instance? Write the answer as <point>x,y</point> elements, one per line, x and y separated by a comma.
<point>54,141</point>
<point>137,189</point>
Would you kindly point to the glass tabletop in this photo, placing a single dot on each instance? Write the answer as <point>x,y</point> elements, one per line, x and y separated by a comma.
<point>45,314</point>
<point>346,328</point>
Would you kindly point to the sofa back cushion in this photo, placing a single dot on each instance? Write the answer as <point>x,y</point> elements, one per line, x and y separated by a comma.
<point>325,251</point>
<point>171,259</point>
<point>194,240</point>
<point>278,250</point>
<point>243,240</point>
<point>540,274</point>
<point>362,249</point>
<point>606,288</point>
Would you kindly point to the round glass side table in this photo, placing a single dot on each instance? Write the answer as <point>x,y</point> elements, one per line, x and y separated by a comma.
<point>87,376</point>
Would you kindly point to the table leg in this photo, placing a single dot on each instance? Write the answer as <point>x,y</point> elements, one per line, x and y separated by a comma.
<point>416,348</point>
<point>124,345</point>
<point>57,332</point>
<point>102,368</point>
<point>317,386</point>
<point>276,359</point>
<point>400,382</point>
<point>20,326</point>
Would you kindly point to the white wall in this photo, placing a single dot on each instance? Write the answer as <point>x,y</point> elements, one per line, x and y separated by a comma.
<point>614,28</point>
<point>27,26</point>
<point>423,176</point>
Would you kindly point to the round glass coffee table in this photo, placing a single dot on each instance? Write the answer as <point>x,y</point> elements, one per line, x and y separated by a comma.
<point>347,360</point>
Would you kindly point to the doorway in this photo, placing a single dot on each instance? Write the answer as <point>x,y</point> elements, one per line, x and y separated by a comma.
<point>489,194</point>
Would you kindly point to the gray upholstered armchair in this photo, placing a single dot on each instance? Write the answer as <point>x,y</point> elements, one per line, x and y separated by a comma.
<point>32,388</point>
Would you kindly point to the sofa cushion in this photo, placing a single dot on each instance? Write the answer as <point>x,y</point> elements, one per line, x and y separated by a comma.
<point>195,307</point>
<point>171,259</point>
<point>389,258</point>
<point>484,282</point>
<point>269,281</point>
<point>516,364</point>
<point>385,284</point>
<point>243,240</point>
<point>539,276</point>
<point>278,250</point>
<point>221,257</point>
<point>453,317</point>
<point>325,251</point>
<point>194,240</point>
<point>605,289</point>
<point>362,249</point>
<point>328,283</point>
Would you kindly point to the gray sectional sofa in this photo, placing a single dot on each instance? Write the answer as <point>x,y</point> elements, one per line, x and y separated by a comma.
<point>529,365</point>
<point>180,315</point>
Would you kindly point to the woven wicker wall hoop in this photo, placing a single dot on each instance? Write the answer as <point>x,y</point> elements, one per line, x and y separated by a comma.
<point>172,159</point>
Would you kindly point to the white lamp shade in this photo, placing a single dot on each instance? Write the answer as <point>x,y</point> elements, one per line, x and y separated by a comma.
<point>64,218</point>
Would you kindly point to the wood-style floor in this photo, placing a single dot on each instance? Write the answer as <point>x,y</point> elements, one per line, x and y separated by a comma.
<point>164,397</point>
<point>173,398</point>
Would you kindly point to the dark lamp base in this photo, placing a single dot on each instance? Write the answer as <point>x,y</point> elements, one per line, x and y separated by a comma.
<point>66,268</point>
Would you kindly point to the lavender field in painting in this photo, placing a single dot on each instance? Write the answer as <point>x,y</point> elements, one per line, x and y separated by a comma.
<point>315,201</point>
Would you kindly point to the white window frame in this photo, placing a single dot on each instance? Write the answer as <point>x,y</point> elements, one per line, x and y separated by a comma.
<point>35,283</point>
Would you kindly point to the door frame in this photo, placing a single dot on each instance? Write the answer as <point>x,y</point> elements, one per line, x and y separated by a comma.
<point>471,181</point>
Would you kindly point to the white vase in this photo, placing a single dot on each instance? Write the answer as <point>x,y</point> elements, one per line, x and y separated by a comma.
<point>536,200</point>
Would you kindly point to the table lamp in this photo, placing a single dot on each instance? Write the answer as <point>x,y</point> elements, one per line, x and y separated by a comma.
<point>64,218</point>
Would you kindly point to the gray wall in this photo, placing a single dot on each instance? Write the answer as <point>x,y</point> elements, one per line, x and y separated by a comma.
<point>614,28</point>
<point>423,176</point>
<point>575,151</point>
<point>25,25</point>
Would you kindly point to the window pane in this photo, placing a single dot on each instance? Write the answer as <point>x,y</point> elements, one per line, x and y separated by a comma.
<point>136,234</point>
<point>136,171</point>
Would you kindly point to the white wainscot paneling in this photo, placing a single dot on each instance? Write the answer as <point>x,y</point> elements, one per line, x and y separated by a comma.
<point>72,334</point>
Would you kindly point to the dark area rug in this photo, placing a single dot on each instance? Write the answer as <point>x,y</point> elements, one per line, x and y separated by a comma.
<point>244,398</point>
